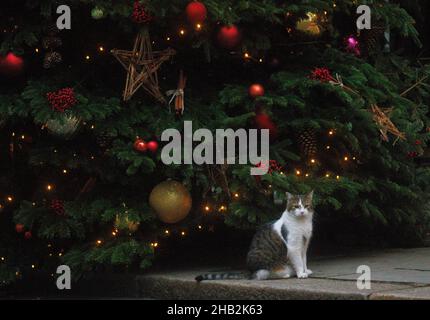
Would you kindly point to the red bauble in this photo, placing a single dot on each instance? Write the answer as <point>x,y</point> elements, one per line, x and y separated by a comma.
<point>263,121</point>
<point>140,145</point>
<point>229,36</point>
<point>152,146</point>
<point>19,227</point>
<point>28,235</point>
<point>196,12</point>
<point>11,65</point>
<point>256,90</point>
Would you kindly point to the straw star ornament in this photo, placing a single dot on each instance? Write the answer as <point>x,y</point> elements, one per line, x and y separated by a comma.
<point>142,65</point>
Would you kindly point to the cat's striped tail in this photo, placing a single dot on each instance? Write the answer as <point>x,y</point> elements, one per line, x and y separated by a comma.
<point>223,276</point>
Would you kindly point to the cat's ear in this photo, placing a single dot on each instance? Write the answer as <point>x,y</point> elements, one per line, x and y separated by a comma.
<point>310,195</point>
<point>289,196</point>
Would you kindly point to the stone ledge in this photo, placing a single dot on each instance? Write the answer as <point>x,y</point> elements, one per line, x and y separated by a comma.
<point>181,286</point>
<point>419,293</point>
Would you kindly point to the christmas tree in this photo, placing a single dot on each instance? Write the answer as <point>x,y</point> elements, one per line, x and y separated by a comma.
<point>82,111</point>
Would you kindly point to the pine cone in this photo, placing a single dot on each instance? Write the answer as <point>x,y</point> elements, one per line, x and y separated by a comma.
<point>52,59</point>
<point>51,42</point>
<point>52,30</point>
<point>307,140</point>
<point>372,39</point>
<point>104,140</point>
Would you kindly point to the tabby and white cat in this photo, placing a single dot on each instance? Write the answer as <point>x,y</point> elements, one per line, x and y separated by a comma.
<point>279,249</point>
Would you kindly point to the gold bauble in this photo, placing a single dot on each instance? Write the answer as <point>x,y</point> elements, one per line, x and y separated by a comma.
<point>171,200</point>
<point>123,222</point>
<point>309,25</point>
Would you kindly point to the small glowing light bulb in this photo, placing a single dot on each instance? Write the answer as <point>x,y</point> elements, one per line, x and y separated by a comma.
<point>298,172</point>
<point>49,187</point>
<point>87,57</point>
<point>313,160</point>
<point>345,158</point>
<point>331,132</point>
<point>236,195</point>
<point>207,208</point>
<point>246,55</point>
<point>9,198</point>
<point>168,38</point>
<point>65,171</point>
<point>37,50</point>
<point>198,26</point>
<point>99,242</point>
<point>182,32</point>
<point>166,231</point>
<point>33,266</point>
<point>101,49</point>
<point>183,233</point>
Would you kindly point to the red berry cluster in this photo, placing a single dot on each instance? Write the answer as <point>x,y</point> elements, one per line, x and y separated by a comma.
<point>62,99</point>
<point>58,207</point>
<point>321,74</point>
<point>140,13</point>
<point>274,166</point>
<point>413,154</point>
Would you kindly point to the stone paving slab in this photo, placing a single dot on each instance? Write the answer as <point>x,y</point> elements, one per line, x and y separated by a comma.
<point>395,265</point>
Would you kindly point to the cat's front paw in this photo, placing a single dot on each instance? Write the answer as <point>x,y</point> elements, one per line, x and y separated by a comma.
<point>302,275</point>
<point>309,272</point>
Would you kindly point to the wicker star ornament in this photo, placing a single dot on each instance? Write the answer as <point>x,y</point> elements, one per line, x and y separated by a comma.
<point>382,119</point>
<point>142,64</point>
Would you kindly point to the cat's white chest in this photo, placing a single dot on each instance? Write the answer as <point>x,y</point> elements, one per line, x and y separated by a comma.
<point>298,230</point>
<point>294,231</point>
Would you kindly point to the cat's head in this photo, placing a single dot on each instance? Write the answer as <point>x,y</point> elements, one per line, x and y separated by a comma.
<point>300,205</point>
